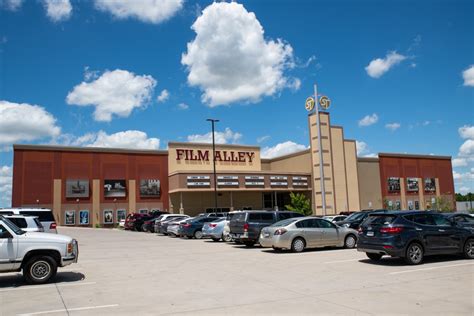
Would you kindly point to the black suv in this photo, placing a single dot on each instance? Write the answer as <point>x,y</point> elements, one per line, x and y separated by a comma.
<point>355,219</point>
<point>245,227</point>
<point>412,235</point>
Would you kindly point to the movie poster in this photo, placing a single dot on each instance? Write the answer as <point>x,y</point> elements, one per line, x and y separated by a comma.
<point>393,184</point>
<point>108,216</point>
<point>150,188</point>
<point>121,215</point>
<point>115,188</point>
<point>412,184</point>
<point>77,188</point>
<point>84,217</point>
<point>70,218</point>
<point>430,185</point>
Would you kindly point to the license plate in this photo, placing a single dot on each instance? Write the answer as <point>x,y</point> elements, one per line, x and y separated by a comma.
<point>370,234</point>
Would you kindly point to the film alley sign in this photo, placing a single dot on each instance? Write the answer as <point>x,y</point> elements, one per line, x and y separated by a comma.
<point>221,155</point>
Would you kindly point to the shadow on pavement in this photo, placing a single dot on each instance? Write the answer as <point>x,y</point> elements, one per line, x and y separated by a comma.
<point>17,280</point>
<point>390,261</point>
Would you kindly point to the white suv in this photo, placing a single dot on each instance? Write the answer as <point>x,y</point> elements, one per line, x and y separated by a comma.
<point>38,254</point>
<point>26,223</point>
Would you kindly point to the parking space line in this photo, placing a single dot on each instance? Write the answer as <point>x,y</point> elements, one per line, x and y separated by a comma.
<point>432,268</point>
<point>70,310</point>
<point>34,287</point>
<point>340,261</point>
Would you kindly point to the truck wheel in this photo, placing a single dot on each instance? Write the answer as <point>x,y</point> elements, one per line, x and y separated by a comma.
<point>40,269</point>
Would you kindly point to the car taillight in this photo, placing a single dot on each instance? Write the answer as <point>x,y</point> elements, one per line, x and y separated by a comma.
<point>280,231</point>
<point>212,225</point>
<point>391,230</point>
<point>246,227</point>
<point>186,225</point>
<point>53,226</point>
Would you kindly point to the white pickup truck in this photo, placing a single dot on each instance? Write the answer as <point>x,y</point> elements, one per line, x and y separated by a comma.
<point>38,254</point>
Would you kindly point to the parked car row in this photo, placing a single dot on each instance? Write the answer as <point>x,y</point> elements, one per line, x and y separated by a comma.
<point>410,235</point>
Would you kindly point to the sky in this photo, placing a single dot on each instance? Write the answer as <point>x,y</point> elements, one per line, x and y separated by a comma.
<point>138,74</point>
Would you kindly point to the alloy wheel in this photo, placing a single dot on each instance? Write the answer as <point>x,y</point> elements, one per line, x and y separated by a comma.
<point>415,253</point>
<point>470,249</point>
<point>350,241</point>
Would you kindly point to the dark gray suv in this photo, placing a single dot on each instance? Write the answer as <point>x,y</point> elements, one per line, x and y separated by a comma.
<point>245,227</point>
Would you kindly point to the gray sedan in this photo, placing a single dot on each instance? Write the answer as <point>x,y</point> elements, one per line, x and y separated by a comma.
<point>300,233</point>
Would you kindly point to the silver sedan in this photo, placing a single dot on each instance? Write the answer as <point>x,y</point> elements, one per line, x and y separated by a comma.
<point>300,233</point>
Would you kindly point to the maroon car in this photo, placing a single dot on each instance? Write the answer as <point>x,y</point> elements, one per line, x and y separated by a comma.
<point>134,221</point>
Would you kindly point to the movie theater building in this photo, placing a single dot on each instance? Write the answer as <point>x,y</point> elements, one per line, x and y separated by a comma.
<point>107,184</point>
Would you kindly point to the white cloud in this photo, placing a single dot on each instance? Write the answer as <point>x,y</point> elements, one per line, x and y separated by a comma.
<point>467,148</point>
<point>282,149</point>
<point>11,5</point>
<point>164,96</point>
<point>362,148</point>
<point>148,11</point>
<point>21,122</point>
<point>58,10</point>
<point>131,139</point>
<point>116,92</point>
<point>6,174</point>
<point>231,61</point>
<point>392,126</point>
<point>464,190</point>
<point>459,162</point>
<point>90,74</point>
<point>263,139</point>
<point>379,66</point>
<point>183,106</point>
<point>228,136</point>
<point>466,132</point>
<point>368,120</point>
<point>468,76</point>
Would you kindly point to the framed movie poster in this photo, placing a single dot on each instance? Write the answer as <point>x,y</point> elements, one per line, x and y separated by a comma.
<point>398,205</point>
<point>70,218</point>
<point>393,184</point>
<point>150,188</point>
<point>115,188</point>
<point>430,185</point>
<point>108,216</point>
<point>417,205</point>
<point>412,184</point>
<point>410,205</point>
<point>121,214</point>
<point>77,188</point>
<point>84,217</point>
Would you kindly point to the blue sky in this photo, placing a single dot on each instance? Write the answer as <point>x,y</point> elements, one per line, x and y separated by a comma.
<point>89,73</point>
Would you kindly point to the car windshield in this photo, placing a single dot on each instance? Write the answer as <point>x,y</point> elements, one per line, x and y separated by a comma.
<point>16,229</point>
<point>284,222</point>
<point>354,216</point>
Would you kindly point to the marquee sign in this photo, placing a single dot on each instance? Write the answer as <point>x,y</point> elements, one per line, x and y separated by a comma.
<point>221,155</point>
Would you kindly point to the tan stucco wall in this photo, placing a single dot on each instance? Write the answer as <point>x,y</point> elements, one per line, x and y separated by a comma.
<point>340,183</point>
<point>369,186</point>
<point>175,165</point>
<point>293,163</point>
<point>95,215</point>
<point>352,176</point>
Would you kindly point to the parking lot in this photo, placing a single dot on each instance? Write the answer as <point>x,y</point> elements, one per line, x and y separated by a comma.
<point>123,272</point>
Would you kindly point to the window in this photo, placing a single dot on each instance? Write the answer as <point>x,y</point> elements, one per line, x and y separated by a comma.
<point>379,219</point>
<point>267,217</point>
<point>43,216</point>
<point>6,213</point>
<point>423,219</point>
<point>238,217</point>
<point>20,222</point>
<point>440,220</point>
<point>307,223</point>
<point>282,216</point>
<point>324,224</point>
<point>255,217</point>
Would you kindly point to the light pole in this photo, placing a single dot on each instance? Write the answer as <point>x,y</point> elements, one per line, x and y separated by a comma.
<point>213,121</point>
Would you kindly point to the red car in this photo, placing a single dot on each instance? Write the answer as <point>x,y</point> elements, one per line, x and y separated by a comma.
<point>134,221</point>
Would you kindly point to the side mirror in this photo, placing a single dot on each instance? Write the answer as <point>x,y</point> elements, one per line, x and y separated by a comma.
<point>5,235</point>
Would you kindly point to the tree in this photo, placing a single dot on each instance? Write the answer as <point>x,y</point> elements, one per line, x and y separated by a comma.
<point>443,204</point>
<point>300,204</point>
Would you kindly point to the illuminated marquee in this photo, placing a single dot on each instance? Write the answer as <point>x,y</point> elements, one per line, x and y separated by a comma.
<point>221,155</point>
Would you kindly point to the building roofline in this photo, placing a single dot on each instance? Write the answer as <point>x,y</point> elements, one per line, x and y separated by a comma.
<point>395,155</point>
<point>210,144</point>
<point>368,159</point>
<point>298,153</point>
<point>88,149</point>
